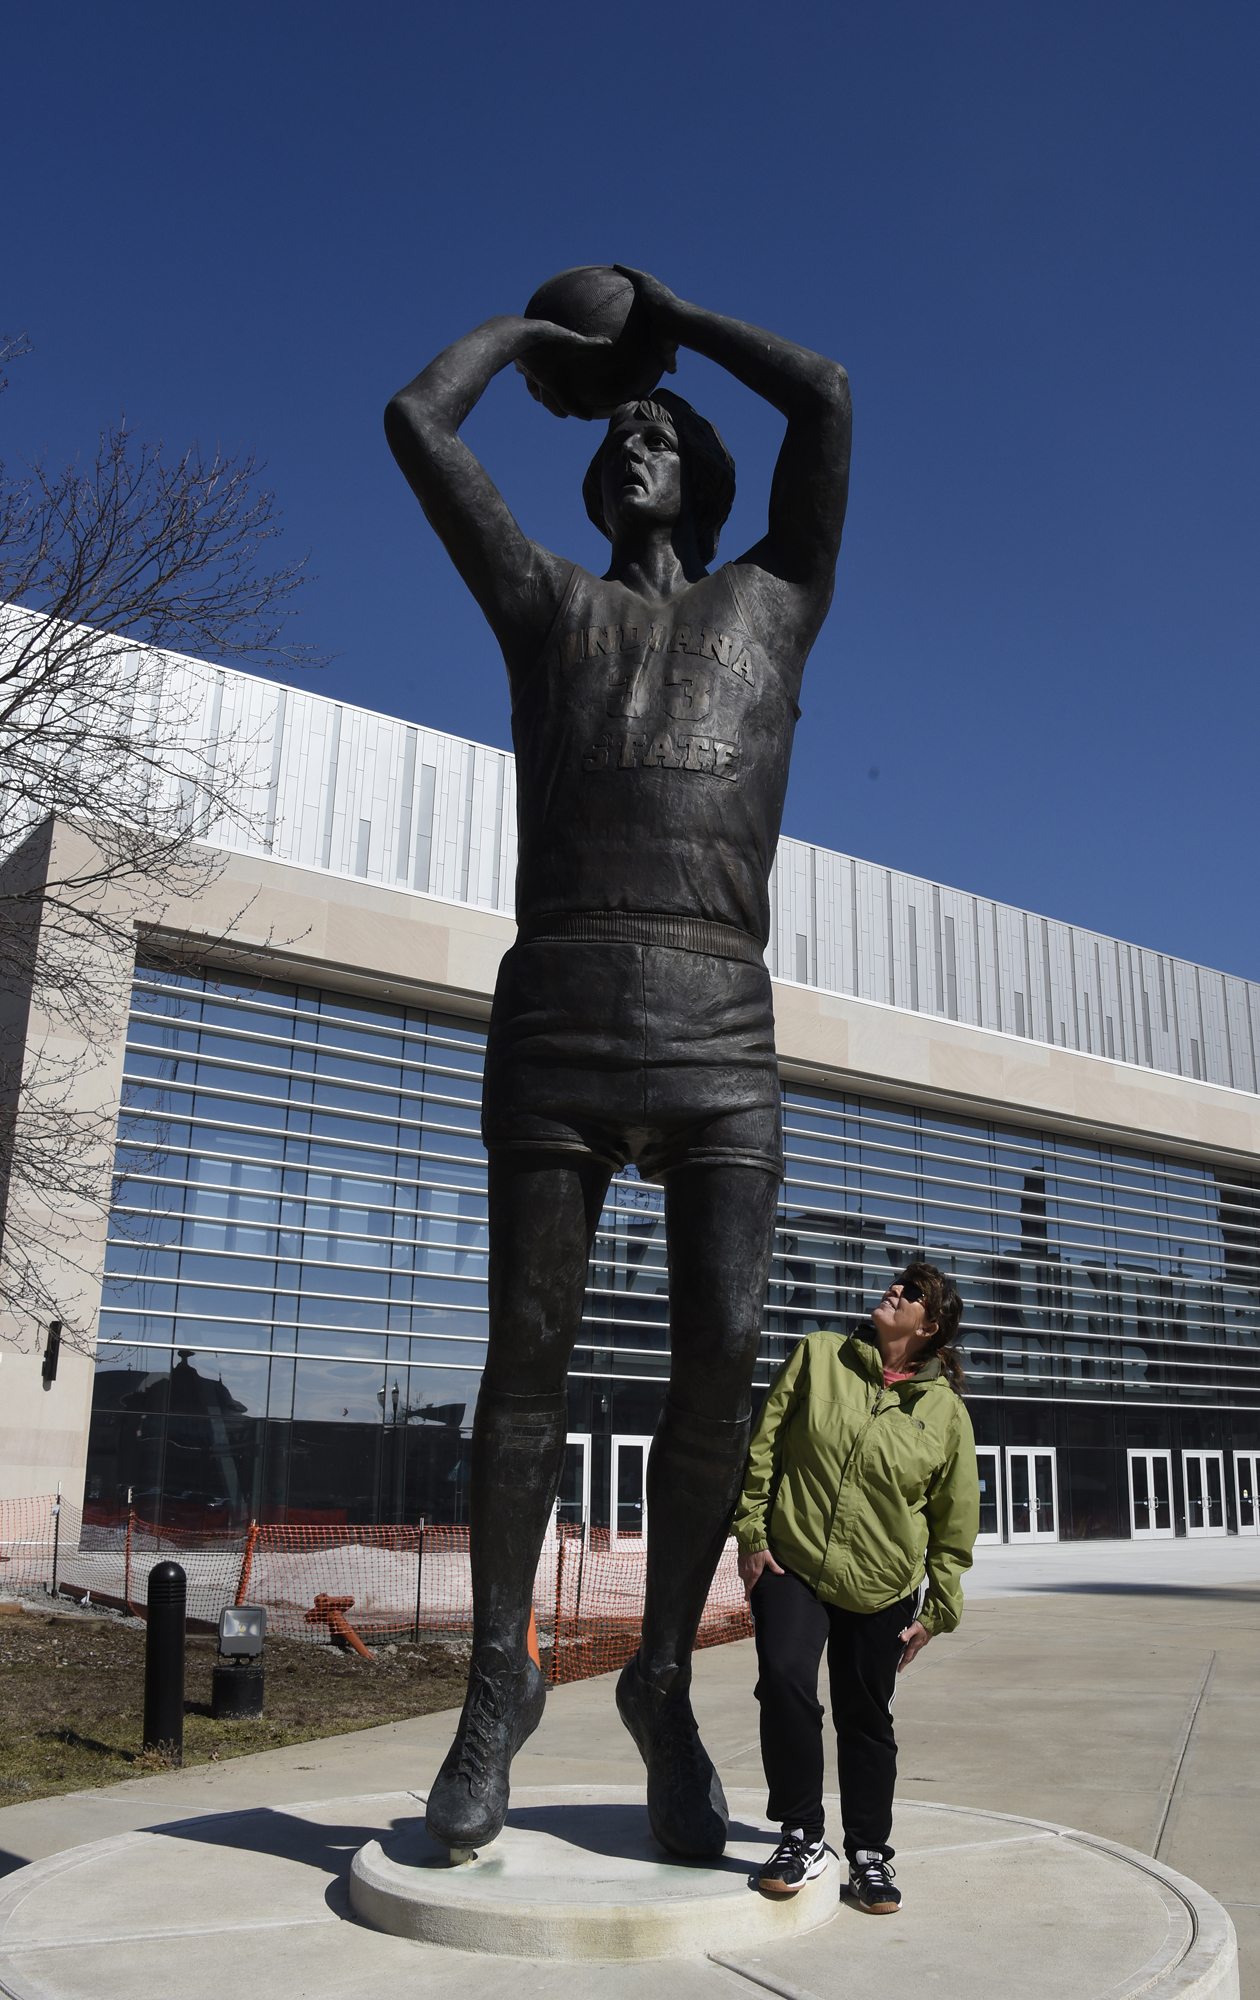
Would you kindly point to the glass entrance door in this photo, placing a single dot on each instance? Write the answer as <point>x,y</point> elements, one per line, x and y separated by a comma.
<point>573,1503</point>
<point>1204,1474</point>
<point>1032,1495</point>
<point>1247,1491</point>
<point>1150,1495</point>
<point>628,1509</point>
<point>989,1467</point>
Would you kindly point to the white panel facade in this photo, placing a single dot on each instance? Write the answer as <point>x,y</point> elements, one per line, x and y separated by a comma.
<point>329,786</point>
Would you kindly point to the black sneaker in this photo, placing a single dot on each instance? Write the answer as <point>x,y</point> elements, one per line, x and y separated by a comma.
<point>871,1883</point>
<point>795,1862</point>
<point>687,1808</point>
<point>468,1801</point>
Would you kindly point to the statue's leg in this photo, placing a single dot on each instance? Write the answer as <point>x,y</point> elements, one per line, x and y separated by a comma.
<point>543,1215</point>
<point>720,1230</point>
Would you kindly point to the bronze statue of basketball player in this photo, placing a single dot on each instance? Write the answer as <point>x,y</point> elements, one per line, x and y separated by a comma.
<point>652,713</point>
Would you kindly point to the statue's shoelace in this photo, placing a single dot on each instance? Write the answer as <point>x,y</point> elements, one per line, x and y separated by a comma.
<point>485,1710</point>
<point>679,1743</point>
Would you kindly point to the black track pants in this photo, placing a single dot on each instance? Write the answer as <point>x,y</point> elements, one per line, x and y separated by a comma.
<point>863,1653</point>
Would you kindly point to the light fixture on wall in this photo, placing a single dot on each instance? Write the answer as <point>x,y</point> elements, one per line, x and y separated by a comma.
<point>52,1353</point>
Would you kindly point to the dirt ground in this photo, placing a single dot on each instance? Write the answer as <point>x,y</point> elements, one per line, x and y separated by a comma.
<point>72,1699</point>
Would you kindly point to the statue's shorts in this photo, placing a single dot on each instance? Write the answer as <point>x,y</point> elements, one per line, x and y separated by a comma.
<point>633,1053</point>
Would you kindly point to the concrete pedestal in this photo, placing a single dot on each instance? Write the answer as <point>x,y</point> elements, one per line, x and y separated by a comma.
<point>577,1875</point>
<point>996,1908</point>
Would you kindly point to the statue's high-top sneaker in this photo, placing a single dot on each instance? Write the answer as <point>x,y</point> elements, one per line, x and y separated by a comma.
<point>687,1808</point>
<point>468,1800</point>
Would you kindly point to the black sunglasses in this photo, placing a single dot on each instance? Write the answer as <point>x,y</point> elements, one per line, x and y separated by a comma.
<point>911,1293</point>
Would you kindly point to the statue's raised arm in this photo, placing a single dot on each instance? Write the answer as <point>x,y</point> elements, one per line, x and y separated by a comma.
<point>810,488</point>
<point>516,583</point>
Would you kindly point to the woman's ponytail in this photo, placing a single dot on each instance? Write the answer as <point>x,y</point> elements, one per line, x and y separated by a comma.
<point>942,1305</point>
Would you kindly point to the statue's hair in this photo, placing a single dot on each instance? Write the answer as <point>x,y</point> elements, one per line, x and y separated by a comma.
<point>708,468</point>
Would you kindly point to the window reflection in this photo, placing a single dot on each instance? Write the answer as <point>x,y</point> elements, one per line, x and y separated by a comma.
<point>298,1252</point>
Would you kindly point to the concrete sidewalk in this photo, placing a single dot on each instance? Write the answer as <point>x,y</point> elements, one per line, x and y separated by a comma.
<point>1109,1687</point>
<point>1114,1568</point>
<point>566,1903</point>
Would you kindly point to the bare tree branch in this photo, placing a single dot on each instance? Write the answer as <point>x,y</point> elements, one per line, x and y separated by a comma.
<point>108,574</point>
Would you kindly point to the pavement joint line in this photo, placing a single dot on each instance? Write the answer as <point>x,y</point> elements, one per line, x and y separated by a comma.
<point>765,1980</point>
<point>943,1807</point>
<point>12,1992</point>
<point>729,1756</point>
<point>16,1949</point>
<point>1158,1872</point>
<point>1183,1750</point>
<point>970,1846</point>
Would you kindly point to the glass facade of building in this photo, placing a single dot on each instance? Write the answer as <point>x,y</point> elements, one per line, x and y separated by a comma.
<point>294,1315</point>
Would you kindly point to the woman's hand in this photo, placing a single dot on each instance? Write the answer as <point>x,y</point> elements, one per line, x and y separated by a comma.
<point>914,1639</point>
<point>750,1568</point>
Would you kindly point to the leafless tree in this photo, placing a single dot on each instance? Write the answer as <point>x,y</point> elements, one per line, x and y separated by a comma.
<point>110,787</point>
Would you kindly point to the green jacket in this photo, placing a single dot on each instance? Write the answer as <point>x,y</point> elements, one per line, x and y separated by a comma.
<point>859,1489</point>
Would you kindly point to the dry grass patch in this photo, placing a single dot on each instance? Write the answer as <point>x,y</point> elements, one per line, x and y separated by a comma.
<point>72,1700</point>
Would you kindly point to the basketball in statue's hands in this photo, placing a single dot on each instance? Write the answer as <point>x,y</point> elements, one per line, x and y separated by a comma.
<point>593,299</point>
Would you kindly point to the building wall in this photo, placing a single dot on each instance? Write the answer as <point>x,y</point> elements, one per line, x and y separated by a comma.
<point>294,1312</point>
<point>373,864</point>
<point>334,929</point>
<point>63,1079</point>
<point>343,791</point>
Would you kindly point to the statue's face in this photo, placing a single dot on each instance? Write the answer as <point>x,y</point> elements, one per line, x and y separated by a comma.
<point>642,476</point>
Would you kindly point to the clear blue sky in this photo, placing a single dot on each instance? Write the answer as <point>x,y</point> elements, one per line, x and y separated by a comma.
<point>1029,232</point>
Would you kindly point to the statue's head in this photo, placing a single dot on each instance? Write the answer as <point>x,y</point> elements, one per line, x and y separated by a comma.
<point>686,469</point>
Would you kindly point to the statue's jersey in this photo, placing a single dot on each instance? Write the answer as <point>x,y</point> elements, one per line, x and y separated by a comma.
<point>652,750</point>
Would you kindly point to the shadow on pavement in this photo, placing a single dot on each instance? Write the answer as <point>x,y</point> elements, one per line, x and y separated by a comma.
<point>1222,1593</point>
<point>266,1830</point>
<point>621,1831</point>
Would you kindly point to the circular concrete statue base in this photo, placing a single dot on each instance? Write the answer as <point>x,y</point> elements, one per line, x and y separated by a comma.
<point>578,1876</point>
<point>209,1903</point>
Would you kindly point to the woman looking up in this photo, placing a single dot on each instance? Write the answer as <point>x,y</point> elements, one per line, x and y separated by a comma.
<point>860,1508</point>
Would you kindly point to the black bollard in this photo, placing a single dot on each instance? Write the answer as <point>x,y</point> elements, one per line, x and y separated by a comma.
<point>164,1662</point>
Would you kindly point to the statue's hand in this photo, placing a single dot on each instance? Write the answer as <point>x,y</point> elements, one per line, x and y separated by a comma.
<point>545,337</point>
<point>663,307</point>
<point>662,304</point>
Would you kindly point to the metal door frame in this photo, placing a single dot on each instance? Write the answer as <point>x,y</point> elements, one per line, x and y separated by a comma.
<point>1254,1457</point>
<point>582,1438</point>
<point>1201,1534</point>
<point>994,1451</point>
<point>1152,1534</point>
<point>1031,1451</point>
<point>618,1439</point>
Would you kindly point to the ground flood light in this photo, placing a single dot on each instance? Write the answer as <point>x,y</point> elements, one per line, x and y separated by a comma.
<point>236,1683</point>
<point>242,1629</point>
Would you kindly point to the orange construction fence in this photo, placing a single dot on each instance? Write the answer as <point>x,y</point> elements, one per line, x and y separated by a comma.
<point>370,1585</point>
